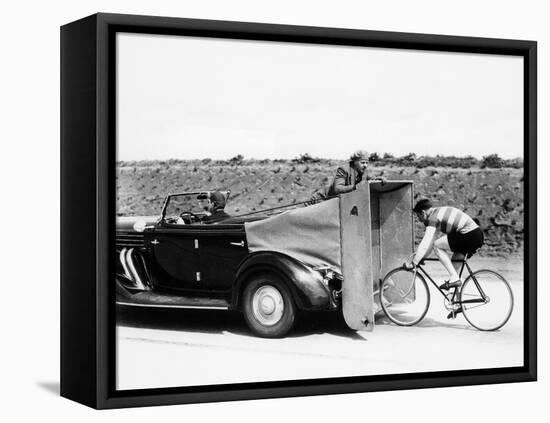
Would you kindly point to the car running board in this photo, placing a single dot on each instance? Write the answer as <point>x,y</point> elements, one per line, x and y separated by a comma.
<point>151,299</point>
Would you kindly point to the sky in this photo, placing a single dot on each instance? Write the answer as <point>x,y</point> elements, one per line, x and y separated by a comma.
<point>193,98</point>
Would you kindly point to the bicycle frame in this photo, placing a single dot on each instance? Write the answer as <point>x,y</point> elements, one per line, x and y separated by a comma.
<point>455,292</point>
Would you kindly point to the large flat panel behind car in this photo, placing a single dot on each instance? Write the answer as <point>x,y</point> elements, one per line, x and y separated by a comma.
<point>357,288</point>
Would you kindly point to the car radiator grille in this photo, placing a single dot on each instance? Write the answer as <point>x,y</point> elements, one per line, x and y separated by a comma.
<point>129,239</point>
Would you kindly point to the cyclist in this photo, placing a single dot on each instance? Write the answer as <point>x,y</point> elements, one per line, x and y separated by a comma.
<point>461,235</point>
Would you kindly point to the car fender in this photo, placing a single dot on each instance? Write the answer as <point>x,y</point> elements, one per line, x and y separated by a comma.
<point>123,287</point>
<point>306,284</point>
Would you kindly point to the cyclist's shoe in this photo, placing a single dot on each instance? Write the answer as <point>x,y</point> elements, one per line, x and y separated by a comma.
<point>448,285</point>
<point>453,313</point>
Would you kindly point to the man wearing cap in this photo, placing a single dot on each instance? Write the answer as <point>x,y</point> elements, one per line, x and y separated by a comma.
<point>347,178</point>
<point>216,208</point>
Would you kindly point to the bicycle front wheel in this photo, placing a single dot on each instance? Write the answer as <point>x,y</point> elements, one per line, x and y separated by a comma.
<point>487,300</point>
<point>404,297</point>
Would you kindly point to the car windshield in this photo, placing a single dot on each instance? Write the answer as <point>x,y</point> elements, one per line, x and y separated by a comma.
<point>187,203</point>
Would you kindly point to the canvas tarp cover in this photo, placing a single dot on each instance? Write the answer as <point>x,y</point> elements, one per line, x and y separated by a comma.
<point>310,234</point>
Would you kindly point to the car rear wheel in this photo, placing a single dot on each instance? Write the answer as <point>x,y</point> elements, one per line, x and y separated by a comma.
<point>268,307</point>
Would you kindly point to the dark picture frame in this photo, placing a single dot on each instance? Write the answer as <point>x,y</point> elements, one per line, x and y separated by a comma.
<point>88,156</point>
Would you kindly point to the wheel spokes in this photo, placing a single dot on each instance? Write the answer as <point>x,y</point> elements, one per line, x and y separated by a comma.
<point>495,303</point>
<point>404,297</point>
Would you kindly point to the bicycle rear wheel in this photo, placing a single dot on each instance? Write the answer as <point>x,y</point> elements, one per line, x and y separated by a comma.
<point>404,296</point>
<point>487,300</point>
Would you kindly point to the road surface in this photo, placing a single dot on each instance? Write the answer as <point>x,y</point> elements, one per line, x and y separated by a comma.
<point>167,348</point>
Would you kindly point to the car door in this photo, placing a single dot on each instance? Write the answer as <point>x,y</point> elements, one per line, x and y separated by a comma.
<point>175,257</point>
<point>221,249</point>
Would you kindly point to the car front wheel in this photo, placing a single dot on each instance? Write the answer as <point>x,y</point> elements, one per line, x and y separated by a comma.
<point>268,307</point>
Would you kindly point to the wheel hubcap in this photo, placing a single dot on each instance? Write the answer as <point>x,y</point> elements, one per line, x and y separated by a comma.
<point>268,305</point>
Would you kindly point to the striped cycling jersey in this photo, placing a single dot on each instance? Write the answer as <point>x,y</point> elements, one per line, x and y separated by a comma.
<point>450,219</point>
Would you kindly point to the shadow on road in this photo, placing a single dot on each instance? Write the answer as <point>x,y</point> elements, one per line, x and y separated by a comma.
<point>429,323</point>
<point>217,322</point>
<point>204,321</point>
<point>432,323</point>
<point>332,323</point>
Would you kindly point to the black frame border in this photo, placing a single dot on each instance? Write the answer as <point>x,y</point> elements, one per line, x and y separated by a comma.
<point>88,77</point>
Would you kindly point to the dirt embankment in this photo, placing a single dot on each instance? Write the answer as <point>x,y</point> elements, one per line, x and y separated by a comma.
<point>494,196</point>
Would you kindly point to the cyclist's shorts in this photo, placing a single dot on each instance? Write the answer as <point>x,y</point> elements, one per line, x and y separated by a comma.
<point>466,243</point>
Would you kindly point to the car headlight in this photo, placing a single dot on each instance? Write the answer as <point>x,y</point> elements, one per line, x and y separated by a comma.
<point>139,226</point>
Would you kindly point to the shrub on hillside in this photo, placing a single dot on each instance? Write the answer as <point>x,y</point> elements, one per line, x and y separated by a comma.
<point>425,161</point>
<point>305,158</point>
<point>387,159</point>
<point>456,162</point>
<point>516,163</point>
<point>173,162</point>
<point>374,157</point>
<point>492,161</point>
<point>406,160</point>
<point>469,161</point>
<point>237,160</point>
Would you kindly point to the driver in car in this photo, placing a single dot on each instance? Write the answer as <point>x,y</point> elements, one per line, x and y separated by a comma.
<point>215,208</point>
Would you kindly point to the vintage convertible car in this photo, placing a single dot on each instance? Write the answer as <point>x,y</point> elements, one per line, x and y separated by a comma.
<point>267,265</point>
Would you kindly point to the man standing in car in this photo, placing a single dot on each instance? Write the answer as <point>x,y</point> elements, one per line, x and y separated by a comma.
<point>347,177</point>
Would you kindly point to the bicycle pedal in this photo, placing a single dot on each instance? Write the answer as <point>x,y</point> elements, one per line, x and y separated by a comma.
<point>454,313</point>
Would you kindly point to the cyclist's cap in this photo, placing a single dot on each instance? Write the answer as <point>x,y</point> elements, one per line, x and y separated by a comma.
<point>421,205</point>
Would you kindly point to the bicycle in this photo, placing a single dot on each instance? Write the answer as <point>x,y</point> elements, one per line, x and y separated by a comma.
<point>485,298</point>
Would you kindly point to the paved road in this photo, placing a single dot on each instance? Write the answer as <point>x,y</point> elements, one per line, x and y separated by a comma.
<point>163,348</point>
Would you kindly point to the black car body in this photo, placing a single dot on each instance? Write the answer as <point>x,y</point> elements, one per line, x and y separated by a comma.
<point>179,260</point>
